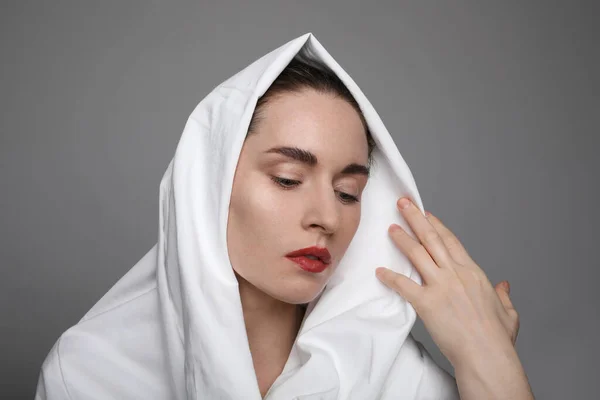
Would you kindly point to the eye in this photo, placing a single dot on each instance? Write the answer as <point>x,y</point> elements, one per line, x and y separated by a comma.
<point>285,182</point>
<point>347,198</point>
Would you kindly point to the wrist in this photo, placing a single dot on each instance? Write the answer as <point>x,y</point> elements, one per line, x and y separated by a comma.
<point>490,351</point>
<point>496,374</point>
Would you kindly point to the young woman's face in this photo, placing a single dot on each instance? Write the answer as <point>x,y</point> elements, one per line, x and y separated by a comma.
<point>285,199</point>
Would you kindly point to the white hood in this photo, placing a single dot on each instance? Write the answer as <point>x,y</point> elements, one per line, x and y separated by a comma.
<point>354,342</point>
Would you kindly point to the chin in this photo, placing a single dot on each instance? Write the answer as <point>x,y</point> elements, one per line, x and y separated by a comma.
<point>297,291</point>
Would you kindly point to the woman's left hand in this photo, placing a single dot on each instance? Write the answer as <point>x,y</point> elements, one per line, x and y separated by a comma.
<point>465,315</point>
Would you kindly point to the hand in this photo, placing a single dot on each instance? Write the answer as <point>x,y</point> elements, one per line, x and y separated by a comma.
<point>464,314</point>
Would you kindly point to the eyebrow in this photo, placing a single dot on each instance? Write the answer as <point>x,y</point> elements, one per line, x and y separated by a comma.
<point>308,158</point>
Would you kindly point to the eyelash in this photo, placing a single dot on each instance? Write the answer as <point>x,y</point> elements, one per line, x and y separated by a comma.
<point>288,184</point>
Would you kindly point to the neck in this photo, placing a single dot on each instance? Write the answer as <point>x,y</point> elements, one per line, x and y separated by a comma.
<point>272,326</point>
<point>265,315</point>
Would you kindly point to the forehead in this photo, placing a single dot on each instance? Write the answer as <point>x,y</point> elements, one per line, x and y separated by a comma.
<point>320,122</point>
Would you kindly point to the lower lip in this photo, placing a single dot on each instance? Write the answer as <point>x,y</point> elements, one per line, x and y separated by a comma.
<point>310,265</point>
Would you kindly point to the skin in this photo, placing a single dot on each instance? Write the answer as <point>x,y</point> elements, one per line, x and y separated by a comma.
<point>313,206</point>
<point>473,323</point>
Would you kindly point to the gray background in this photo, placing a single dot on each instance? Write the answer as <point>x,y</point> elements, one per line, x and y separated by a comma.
<point>494,106</point>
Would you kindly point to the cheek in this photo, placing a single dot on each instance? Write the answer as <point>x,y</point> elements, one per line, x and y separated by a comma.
<point>351,220</point>
<point>257,213</point>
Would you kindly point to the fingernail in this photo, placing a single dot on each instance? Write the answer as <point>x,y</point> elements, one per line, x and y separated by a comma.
<point>394,227</point>
<point>403,203</point>
<point>507,286</point>
<point>427,213</point>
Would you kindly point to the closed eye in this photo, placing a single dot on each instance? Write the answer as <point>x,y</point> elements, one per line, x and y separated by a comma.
<point>284,182</point>
<point>287,184</point>
<point>347,198</point>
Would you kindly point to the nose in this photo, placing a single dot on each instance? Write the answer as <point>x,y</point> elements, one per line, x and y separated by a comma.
<point>322,210</point>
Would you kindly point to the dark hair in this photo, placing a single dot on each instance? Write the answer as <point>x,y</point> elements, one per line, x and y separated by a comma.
<point>304,72</point>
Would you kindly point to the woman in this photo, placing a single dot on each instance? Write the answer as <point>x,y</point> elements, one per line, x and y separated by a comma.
<point>274,216</point>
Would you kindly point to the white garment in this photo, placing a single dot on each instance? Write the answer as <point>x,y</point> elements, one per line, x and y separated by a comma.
<point>172,327</point>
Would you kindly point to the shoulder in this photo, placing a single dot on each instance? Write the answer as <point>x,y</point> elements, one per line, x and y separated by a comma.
<point>115,351</point>
<point>115,354</point>
<point>51,383</point>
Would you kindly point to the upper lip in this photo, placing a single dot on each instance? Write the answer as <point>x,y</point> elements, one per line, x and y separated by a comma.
<point>320,252</point>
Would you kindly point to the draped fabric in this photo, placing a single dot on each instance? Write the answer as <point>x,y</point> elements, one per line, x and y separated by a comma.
<point>173,328</point>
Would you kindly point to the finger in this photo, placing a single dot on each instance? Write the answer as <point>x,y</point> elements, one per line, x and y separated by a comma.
<point>426,233</point>
<point>516,332</point>
<point>401,284</point>
<point>455,247</point>
<point>503,290</point>
<point>416,253</point>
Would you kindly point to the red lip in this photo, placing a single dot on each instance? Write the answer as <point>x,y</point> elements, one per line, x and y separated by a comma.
<point>310,265</point>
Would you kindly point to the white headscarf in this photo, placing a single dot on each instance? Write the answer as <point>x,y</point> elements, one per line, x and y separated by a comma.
<point>354,342</point>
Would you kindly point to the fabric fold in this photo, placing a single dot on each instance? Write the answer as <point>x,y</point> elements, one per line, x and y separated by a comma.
<point>354,342</point>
